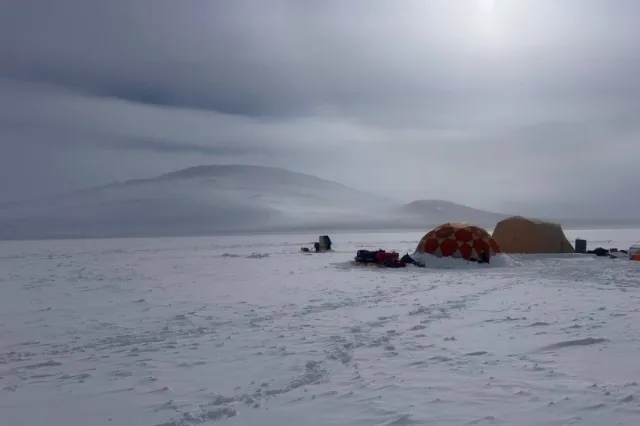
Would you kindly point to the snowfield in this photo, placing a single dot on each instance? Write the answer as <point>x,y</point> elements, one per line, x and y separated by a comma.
<point>250,331</point>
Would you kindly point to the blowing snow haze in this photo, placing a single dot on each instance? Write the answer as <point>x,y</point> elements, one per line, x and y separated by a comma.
<point>527,106</point>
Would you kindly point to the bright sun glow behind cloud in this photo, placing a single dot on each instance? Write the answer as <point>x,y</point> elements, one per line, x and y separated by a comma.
<point>486,6</point>
<point>488,23</point>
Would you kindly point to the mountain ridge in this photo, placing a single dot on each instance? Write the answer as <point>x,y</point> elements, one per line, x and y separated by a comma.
<point>234,169</point>
<point>201,200</point>
<point>201,171</point>
<point>227,199</point>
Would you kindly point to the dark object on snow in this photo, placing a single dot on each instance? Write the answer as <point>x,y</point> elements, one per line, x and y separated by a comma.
<point>581,245</point>
<point>366,256</point>
<point>394,263</point>
<point>380,257</point>
<point>384,257</point>
<point>612,253</point>
<point>410,260</point>
<point>599,252</point>
<point>305,249</point>
<point>325,242</point>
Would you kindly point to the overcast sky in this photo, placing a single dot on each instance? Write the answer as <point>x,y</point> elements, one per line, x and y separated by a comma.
<point>496,104</point>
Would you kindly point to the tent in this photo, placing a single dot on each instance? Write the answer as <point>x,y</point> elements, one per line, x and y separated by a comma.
<point>461,240</point>
<point>518,234</point>
<point>325,242</point>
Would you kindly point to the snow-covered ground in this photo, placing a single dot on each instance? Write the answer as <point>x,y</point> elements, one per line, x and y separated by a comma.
<point>250,331</point>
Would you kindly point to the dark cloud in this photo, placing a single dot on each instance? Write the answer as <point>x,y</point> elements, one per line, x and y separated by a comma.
<point>294,58</point>
<point>533,100</point>
<point>90,140</point>
<point>142,144</point>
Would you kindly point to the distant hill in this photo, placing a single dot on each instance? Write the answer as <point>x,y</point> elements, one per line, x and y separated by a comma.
<point>213,200</point>
<point>196,201</point>
<point>433,212</point>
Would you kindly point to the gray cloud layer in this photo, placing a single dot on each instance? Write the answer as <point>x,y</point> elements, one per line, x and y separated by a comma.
<point>529,103</point>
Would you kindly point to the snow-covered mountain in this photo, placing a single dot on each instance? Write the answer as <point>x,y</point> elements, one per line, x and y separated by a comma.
<point>195,201</point>
<point>207,200</point>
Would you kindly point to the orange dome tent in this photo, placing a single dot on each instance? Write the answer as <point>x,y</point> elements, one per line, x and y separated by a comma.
<point>458,240</point>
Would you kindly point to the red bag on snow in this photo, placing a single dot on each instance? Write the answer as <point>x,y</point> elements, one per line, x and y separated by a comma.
<point>384,256</point>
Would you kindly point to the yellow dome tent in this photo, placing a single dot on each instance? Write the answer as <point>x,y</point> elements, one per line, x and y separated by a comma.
<point>518,234</point>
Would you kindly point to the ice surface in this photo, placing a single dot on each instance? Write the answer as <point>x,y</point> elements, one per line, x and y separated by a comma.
<point>250,331</point>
